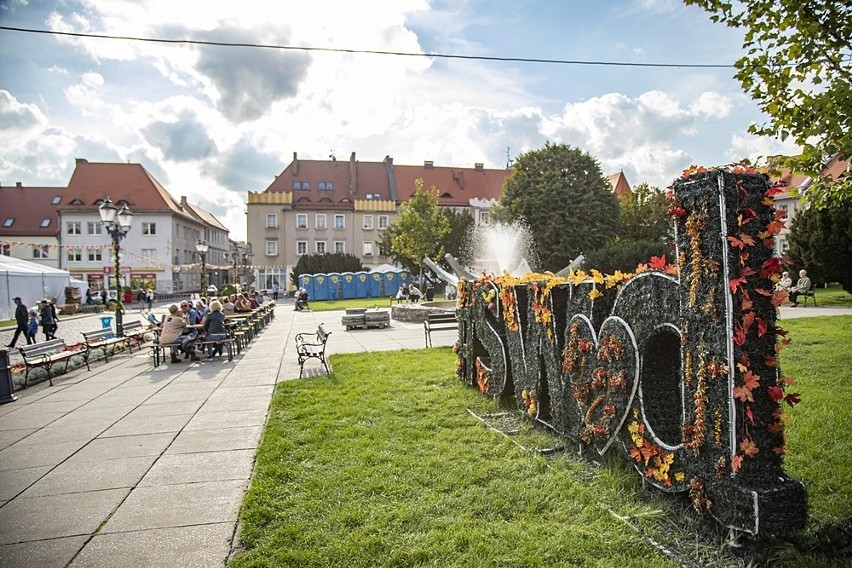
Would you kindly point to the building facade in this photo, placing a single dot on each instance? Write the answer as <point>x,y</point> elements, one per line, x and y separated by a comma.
<point>29,223</point>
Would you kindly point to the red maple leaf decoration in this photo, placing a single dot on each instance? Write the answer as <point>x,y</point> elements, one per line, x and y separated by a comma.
<point>751,380</point>
<point>658,262</point>
<point>742,394</point>
<point>739,335</point>
<point>736,462</point>
<point>793,398</point>
<point>735,242</point>
<point>749,448</point>
<point>762,326</point>
<point>775,393</point>
<point>735,283</point>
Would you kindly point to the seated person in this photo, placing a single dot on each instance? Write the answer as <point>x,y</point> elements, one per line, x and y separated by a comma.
<point>402,293</point>
<point>214,328</point>
<point>255,300</point>
<point>301,299</point>
<point>227,306</point>
<point>785,283</point>
<point>173,330</point>
<point>802,286</point>
<point>241,303</point>
<point>189,313</point>
<point>414,293</point>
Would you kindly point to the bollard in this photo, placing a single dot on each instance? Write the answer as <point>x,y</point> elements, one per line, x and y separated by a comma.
<point>6,387</point>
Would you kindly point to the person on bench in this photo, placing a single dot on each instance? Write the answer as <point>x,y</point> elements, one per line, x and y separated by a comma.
<point>173,332</point>
<point>802,286</point>
<point>301,299</point>
<point>414,293</point>
<point>214,328</point>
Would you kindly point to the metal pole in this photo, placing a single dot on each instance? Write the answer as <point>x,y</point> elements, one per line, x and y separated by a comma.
<point>203,273</point>
<point>119,324</point>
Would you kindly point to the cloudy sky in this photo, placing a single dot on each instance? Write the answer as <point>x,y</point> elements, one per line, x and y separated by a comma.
<point>214,122</point>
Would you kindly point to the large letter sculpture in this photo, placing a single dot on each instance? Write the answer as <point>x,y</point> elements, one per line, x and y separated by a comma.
<point>677,369</point>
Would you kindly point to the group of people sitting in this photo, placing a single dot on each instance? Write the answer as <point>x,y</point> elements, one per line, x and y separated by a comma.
<point>181,325</point>
<point>411,293</point>
<point>802,286</point>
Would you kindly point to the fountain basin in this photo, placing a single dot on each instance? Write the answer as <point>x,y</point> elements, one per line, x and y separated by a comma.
<point>417,313</point>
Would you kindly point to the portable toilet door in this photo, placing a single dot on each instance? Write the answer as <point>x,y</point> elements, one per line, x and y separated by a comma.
<point>306,281</point>
<point>375,285</point>
<point>321,287</point>
<point>349,285</point>
<point>392,284</point>
<point>362,285</point>
<point>334,291</point>
<point>404,278</point>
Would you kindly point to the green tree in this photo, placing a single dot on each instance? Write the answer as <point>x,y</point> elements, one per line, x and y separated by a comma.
<point>798,67</point>
<point>646,231</point>
<point>561,194</point>
<point>821,243</point>
<point>325,264</point>
<point>419,230</point>
<point>456,241</point>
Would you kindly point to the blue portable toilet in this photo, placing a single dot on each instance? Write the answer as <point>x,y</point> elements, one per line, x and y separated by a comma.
<point>362,285</point>
<point>306,281</point>
<point>404,278</point>
<point>334,286</point>
<point>349,285</point>
<point>375,285</point>
<point>391,282</point>
<point>321,288</point>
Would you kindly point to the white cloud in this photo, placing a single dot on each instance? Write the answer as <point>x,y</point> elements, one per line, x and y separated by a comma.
<point>17,117</point>
<point>756,148</point>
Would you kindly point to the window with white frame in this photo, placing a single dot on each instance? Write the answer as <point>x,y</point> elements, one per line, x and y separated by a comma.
<point>340,246</point>
<point>41,251</point>
<point>483,217</point>
<point>96,255</point>
<point>94,228</point>
<point>368,248</point>
<point>302,185</point>
<point>339,222</point>
<point>301,220</point>
<point>320,221</point>
<point>383,221</point>
<point>75,255</point>
<point>783,207</point>
<point>301,248</point>
<point>149,254</point>
<point>149,229</point>
<point>368,222</point>
<point>73,228</point>
<point>271,248</point>
<point>271,221</point>
<point>320,247</point>
<point>325,186</point>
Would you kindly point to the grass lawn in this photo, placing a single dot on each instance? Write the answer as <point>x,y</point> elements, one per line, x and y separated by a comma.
<point>381,464</point>
<point>330,305</point>
<point>834,296</point>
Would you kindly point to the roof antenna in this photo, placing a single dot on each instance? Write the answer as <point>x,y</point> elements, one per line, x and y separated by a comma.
<point>332,156</point>
<point>509,161</point>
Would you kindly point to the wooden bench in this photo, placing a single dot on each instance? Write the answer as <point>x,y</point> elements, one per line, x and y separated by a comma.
<point>135,330</point>
<point>46,354</point>
<point>811,293</point>
<point>228,343</point>
<point>103,339</point>
<point>312,346</point>
<point>403,300</point>
<point>437,321</point>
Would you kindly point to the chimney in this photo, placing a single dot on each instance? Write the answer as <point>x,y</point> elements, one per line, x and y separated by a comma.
<point>388,161</point>
<point>18,184</point>
<point>479,166</point>
<point>295,164</point>
<point>353,175</point>
<point>391,180</point>
<point>428,164</point>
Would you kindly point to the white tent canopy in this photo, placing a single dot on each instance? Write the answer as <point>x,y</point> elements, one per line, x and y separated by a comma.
<point>31,281</point>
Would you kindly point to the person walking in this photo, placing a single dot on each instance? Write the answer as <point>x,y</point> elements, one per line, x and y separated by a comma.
<point>275,289</point>
<point>55,315</point>
<point>149,298</point>
<point>46,315</point>
<point>21,319</point>
<point>32,327</point>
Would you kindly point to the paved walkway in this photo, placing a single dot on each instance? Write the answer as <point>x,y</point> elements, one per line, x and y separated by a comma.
<point>126,465</point>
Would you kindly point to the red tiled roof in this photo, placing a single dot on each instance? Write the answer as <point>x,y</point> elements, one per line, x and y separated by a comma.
<point>620,186</point>
<point>132,183</point>
<point>789,179</point>
<point>369,177</point>
<point>29,207</point>
<point>456,186</point>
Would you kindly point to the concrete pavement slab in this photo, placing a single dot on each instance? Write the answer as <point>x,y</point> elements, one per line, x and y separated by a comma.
<point>55,516</point>
<point>216,440</point>
<point>164,506</point>
<point>23,455</point>
<point>172,469</point>
<point>201,546</point>
<point>81,476</point>
<point>29,418</point>
<point>189,407</point>
<point>228,419</point>
<point>50,553</point>
<point>9,437</point>
<point>227,404</point>
<point>147,425</point>
<point>14,481</point>
<point>101,449</point>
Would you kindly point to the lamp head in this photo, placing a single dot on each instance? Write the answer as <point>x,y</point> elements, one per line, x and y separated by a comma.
<point>201,246</point>
<point>108,212</point>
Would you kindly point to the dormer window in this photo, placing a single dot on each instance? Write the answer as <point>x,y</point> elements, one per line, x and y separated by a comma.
<point>45,223</point>
<point>56,200</point>
<point>9,222</point>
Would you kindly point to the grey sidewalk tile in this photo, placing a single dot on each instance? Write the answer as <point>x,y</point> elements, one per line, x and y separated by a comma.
<point>80,476</point>
<point>201,546</point>
<point>13,481</point>
<point>250,380</point>
<point>85,416</point>
<point>166,408</point>
<point>174,469</point>
<point>9,437</point>
<point>69,432</point>
<point>165,506</point>
<point>123,447</point>
<point>29,418</point>
<point>55,516</point>
<point>228,392</point>
<point>227,419</point>
<point>24,455</point>
<point>128,426</point>
<point>235,403</point>
<point>51,553</point>
<point>216,440</point>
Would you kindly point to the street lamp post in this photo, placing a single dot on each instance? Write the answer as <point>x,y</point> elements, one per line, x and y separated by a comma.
<point>202,247</point>
<point>247,254</point>
<point>235,256</point>
<point>117,224</point>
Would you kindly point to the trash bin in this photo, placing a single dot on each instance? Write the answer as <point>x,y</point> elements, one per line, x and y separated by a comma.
<point>106,323</point>
<point>6,387</point>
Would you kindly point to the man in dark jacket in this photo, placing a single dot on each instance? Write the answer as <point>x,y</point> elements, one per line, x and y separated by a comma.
<point>22,319</point>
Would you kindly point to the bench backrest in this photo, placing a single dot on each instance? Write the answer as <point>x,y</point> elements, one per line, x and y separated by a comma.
<point>132,325</point>
<point>322,334</point>
<point>441,318</point>
<point>99,334</point>
<point>43,348</point>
